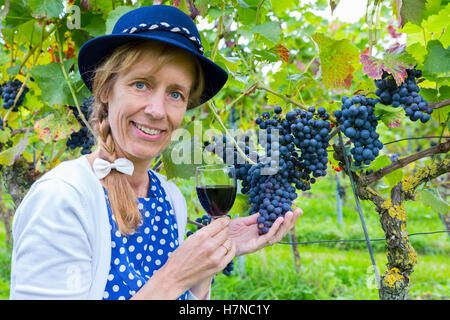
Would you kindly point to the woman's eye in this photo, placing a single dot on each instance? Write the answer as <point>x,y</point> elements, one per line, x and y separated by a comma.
<point>140,85</point>
<point>175,95</point>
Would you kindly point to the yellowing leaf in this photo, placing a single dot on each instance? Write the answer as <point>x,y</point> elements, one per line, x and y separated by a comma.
<point>9,156</point>
<point>53,128</point>
<point>338,60</point>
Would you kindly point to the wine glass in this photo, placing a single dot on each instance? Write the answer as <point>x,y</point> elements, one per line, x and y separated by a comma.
<point>216,188</point>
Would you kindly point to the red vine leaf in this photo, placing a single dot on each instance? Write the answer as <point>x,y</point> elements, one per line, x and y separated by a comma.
<point>395,62</point>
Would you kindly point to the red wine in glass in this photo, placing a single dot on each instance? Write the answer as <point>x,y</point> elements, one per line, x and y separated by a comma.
<point>217,200</point>
<point>216,188</point>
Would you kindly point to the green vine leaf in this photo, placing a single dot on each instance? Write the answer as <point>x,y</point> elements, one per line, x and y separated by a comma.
<point>178,156</point>
<point>394,177</point>
<point>48,8</point>
<point>51,81</point>
<point>412,10</point>
<point>432,199</point>
<point>437,60</point>
<point>240,205</point>
<point>387,114</point>
<point>18,14</point>
<point>270,30</point>
<point>114,15</point>
<point>280,6</point>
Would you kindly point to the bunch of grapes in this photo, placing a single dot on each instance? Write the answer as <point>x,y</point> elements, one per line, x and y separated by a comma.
<point>295,155</point>
<point>359,123</point>
<point>9,93</point>
<point>406,95</point>
<point>205,220</point>
<point>82,138</point>
<point>311,132</point>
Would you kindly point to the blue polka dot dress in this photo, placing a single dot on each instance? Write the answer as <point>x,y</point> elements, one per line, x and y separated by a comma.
<point>135,257</point>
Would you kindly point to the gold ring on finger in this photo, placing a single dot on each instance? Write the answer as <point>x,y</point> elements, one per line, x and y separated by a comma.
<point>226,248</point>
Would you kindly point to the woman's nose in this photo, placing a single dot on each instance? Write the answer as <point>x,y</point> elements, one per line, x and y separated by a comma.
<point>155,105</point>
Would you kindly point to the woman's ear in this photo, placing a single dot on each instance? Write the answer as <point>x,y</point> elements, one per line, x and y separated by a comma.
<point>104,96</point>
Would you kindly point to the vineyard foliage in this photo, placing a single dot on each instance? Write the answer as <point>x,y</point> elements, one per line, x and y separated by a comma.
<point>276,53</point>
<point>282,56</point>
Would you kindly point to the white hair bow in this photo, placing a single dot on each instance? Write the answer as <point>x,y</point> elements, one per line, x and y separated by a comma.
<point>102,167</point>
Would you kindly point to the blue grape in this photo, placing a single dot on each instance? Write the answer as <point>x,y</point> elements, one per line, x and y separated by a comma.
<point>9,93</point>
<point>358,122</point>
<point>406,95</point>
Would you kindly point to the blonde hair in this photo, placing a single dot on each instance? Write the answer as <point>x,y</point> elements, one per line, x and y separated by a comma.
<point>121,196</point>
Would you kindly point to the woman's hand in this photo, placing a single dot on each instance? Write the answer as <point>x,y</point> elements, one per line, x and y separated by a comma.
<point>193,263</point>
<point>244,231</point>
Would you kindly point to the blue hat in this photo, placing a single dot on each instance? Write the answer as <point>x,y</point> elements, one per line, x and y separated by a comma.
<point>158,22</point>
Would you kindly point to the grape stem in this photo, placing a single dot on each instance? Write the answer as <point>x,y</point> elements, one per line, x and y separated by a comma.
<point>218,37</point>
<point>417,138</point>
<point>66,77</point>
<point>20,130</point>
<point>213,108</point>
<point>289,100</point>
<point>195,223</point>
<point>310,63</point>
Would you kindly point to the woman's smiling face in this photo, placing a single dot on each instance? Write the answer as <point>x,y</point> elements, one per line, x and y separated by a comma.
<point>147,103</point>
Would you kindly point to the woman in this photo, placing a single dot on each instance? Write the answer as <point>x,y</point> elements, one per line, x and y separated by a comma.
<point>104,226</point>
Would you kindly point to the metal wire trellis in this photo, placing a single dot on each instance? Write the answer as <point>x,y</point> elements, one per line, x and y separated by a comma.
<point>362,240</point>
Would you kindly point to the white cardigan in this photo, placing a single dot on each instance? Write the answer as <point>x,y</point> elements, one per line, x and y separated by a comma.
<point>61,235</point>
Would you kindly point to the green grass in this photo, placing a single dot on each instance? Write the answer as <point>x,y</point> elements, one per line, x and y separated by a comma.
<point>328,271</point>
<point>339,270</point>
<point>325,273</point>
<point>5,265</point>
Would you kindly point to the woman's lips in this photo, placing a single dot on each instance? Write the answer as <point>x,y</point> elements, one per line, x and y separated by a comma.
<point>147,133</point>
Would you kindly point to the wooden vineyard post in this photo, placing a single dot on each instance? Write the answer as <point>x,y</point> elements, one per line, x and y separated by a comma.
<point>295,252</point>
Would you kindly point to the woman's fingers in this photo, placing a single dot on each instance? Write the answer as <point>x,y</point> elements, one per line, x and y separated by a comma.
<point>215,227</point>
<point>281,226</point>
<point>227,245</point>
<point>214,238</point>
<point>269,236</point>
<point>250,220</point>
